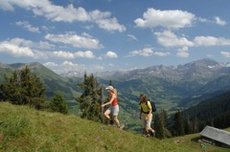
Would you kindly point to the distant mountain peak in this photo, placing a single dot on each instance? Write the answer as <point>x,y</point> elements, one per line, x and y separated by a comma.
<point>206,61</point>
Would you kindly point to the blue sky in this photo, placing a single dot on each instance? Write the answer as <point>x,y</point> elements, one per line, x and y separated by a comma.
<point>99,35</point>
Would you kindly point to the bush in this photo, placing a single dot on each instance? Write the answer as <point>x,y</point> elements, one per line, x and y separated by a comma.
<point>58,104</point>
<point>23,87</point>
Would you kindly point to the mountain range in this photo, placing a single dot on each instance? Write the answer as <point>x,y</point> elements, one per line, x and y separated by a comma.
<point>173,86</point>
<point>169,86</point>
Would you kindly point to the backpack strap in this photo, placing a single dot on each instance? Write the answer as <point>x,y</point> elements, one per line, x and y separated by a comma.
<point>148,104</point>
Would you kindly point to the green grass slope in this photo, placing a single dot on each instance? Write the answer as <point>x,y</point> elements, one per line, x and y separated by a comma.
<point>24,129</point>
<point>192,142</point>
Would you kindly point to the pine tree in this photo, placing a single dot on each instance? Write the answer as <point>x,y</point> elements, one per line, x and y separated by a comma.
<point>58,104</point>
<point>90,100</point>
<point>110,83</point>
<point>23,87</point>
<point>195,125</point>
<point>179,125</point>
<point>160,125</point>
<point>187,126</point>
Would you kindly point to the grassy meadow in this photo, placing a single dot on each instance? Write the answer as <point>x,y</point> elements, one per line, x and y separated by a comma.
<point>23,129</point>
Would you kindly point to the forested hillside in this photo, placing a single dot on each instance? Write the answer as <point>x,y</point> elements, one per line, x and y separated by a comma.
<point>214,111</point>
<point>52,81</point>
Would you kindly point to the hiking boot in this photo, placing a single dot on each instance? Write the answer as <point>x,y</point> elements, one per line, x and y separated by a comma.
<point>152,133</point>
<point>122,126</point>
<point>147,135</point>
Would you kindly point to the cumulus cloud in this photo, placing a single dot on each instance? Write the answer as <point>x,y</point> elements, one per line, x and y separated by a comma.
<point>41,45</point>
<point>146,52</point>
<point>225,54</point>
<point>84,54</point>
<point>79,41</point>
<point>111,54</point>
<point>219,21</point>
<point>172,19</point>
<point>105,21</point>
<point>26,25</point>
<point>70,68</point>
<point>63,54</point>
<point>68,63</point>
<point>66,67</point>
<point>5,5</point>
<point>211,41</point>
<point>170,39</point>
<point>15,50</point>
<point>69,13</point>
<point>183,52</point>
<point>50,64</point>
<point>72,55</point>
<point>19,47</point>
<point>162,53</point>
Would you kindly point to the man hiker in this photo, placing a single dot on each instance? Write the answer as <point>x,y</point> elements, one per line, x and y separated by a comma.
<point>146,115</point>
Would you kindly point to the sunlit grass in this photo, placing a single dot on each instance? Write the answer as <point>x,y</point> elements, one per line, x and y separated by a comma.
<point>24,129</point>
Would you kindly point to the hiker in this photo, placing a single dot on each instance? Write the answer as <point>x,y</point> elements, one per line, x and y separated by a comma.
<point>114,107</point>
<point>146,115</point>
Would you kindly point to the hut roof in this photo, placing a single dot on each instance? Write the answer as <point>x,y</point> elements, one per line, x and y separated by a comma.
<point>219,135</point>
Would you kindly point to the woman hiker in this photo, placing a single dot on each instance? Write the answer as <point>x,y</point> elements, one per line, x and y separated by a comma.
<point>114,107</point>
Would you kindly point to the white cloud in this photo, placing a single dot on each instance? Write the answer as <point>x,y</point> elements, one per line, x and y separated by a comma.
<point>170,39</point>
<point>33,45</point>
<point>211,41</point>
<point>69,13</point>
<point>26,25</point>
<point>66,67</point>
<point>24,48</point>
<point>45,28</point>
<point>111,54</point>
<point>202,20</point>
<point>84,54</point>
<point>79,41</point>
<point>64,54</point>
<point>15,50</point>
<point>104,21</point>
<point>73,69</point>
<point>5,5</point>
<point>172,19</point>
<point>219,21</point>
<point>183,52</point>
<point>146,52</point>
<point>68,63</point>
<point>72,55</point>
<point>43,45</point>
<point>132,37</point>
<point>225,54</point>
<point>50,64</point>
<point>162,53</point>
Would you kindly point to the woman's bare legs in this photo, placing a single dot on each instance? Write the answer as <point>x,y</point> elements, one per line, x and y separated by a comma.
<point>107,113</point>
<point>116,121</point>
